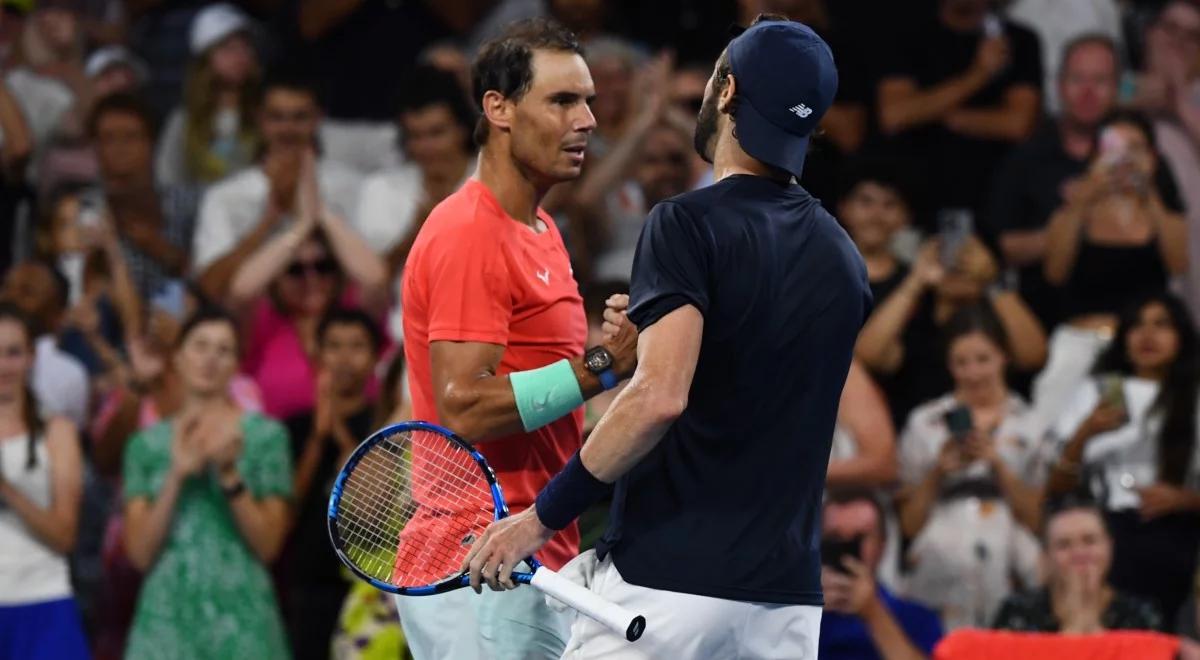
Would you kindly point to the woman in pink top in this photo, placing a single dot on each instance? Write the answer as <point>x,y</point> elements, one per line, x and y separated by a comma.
<point>290,282</point>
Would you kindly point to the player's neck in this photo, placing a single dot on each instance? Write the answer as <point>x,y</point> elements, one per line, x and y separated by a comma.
<point>517,195</point>
<point>729,159</point>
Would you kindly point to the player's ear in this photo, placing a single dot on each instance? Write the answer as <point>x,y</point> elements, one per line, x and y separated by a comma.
<point>725,98</point>
<point>498,109</point>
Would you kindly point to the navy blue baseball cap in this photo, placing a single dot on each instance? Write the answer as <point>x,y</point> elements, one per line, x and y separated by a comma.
<point>786,80</point>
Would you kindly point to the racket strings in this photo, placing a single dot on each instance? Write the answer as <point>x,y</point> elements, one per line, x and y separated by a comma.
<point>411,509</point>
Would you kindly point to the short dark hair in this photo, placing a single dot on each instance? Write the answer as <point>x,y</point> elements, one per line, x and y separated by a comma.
<point>890,172</point>
<point>505,64</point>
<point>979,318</point>
<point>291,79</point>
<point>121,103</point>
<point>428,86</point>
<point>1076,500</point>
<point>844,496</point>
<point>1088,39</point>
<point>350,316</point>
<point>207,314</point>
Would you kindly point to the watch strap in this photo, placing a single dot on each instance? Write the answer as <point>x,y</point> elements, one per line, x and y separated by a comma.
<point>608,379</point>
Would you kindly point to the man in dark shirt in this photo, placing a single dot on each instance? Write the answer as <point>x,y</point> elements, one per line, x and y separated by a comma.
<point>348,343</point>
<point>863,620</point>
<point>958,93</point>
<point>1030,186</point>
<point>748,297</point>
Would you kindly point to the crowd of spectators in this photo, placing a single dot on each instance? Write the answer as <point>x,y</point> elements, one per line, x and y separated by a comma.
<point>205,209</point>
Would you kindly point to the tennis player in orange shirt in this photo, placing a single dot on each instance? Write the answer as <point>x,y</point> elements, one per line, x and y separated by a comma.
<point>494,327</point>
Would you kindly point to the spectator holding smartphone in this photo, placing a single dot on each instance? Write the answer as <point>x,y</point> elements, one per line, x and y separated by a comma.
<point>1136,450</point>
<point>899,344</point>
<point>1077,598</point>
<point>1113,242</point>
<point>862,619</point>
<point>971,465</point>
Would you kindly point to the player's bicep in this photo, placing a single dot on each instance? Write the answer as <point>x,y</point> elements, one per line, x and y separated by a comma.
<point>668,351</point>
<point>458,367</point>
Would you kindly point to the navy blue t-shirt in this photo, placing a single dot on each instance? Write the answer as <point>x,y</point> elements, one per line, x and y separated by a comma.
<point>728,503</point>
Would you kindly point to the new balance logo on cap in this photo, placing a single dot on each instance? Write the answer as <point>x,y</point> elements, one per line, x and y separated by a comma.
<point>802,111</point>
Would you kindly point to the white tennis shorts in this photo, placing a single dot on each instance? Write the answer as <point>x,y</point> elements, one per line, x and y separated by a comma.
<point>688,627</point>
<point>494,625</point>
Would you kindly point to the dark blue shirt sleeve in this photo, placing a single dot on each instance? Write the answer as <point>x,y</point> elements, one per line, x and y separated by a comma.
<point>671,266</point>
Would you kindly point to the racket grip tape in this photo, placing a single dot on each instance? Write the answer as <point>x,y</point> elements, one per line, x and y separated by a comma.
<point>617,618</point>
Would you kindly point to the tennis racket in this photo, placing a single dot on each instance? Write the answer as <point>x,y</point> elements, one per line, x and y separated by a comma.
<point>410,502</point>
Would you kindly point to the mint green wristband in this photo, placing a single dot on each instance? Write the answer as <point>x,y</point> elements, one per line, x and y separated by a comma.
<point>543,395</point>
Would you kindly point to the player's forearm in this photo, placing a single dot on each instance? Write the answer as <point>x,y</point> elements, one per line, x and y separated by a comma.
<point>631,427</point>
<point>484,407</point>
<point>887,635</point>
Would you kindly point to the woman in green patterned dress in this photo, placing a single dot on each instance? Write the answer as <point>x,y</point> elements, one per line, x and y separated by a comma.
<point>205,508</point>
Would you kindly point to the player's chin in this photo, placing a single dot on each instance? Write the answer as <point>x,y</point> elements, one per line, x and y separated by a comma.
<point>568,171</point>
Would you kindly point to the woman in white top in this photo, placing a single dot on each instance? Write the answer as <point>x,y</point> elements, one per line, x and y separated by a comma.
<point>214,134</point>
<point>1129,436</point>
<point>970,470</point>
<point>40,487</point>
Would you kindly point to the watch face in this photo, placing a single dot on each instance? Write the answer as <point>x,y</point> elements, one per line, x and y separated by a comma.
<point>598,359</point>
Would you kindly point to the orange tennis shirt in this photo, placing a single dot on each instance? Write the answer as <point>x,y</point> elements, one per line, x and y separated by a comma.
<point>476,274</point>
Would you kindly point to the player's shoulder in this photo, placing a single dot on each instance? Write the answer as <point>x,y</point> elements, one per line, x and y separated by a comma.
<point>463,211</point>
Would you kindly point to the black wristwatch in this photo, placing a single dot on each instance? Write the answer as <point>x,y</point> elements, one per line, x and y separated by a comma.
<point>600,362</point>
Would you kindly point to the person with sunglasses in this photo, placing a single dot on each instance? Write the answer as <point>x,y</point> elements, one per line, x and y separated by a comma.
<point>318,263</point>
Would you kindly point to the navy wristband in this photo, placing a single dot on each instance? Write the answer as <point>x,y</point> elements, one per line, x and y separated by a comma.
<point>569,494</point>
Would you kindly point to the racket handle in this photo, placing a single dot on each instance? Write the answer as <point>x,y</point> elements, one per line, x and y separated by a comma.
<point>620,620</point>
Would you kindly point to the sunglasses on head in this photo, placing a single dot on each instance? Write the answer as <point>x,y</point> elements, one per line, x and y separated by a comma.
<point>324,266</point>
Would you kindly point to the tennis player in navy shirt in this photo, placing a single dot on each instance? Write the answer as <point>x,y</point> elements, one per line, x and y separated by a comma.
<point>748,297</point>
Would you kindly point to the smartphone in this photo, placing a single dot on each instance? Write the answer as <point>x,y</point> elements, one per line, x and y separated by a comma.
<point>89,212</point>
<point>959,422</point>
<point>1112,390</point>
<point>170,299</point>
<point>954,228</point>
<point>833,551</point>
<point>1113,147</point>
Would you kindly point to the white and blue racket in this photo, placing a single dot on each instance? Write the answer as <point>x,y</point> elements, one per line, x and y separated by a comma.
<point>410,502</point>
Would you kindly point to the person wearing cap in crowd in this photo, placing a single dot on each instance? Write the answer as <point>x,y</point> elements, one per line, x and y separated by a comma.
<point>114,69</point>
<point>213,134</point>
<point>747,296</point>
